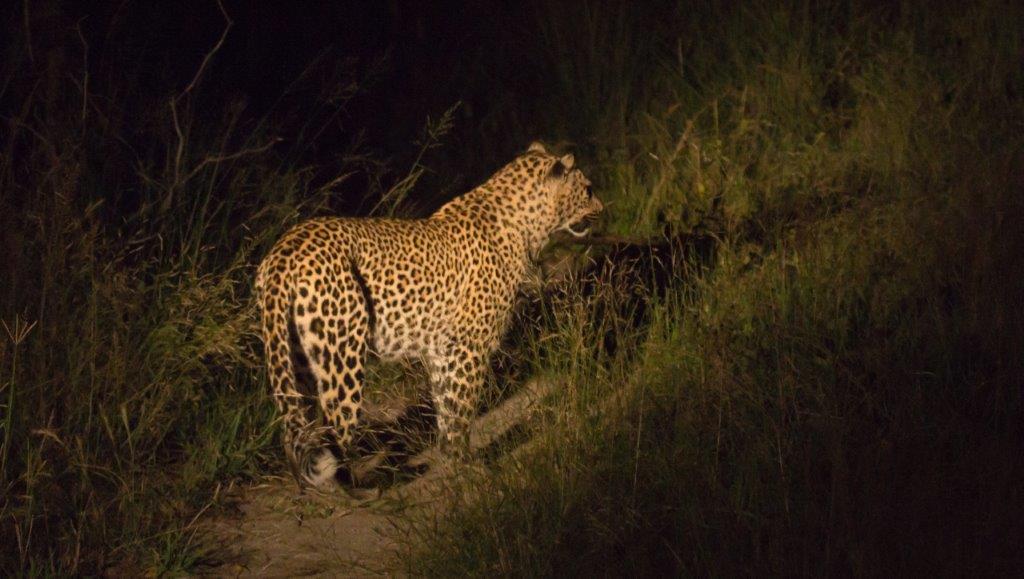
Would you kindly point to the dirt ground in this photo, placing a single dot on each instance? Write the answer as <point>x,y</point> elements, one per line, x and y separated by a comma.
<point>279,533</point>
<point>270,529</point>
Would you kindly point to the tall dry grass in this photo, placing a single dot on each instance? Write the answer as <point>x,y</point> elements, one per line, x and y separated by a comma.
<point>837,390</point>
<point>130,366</point>
<point>833,388</point>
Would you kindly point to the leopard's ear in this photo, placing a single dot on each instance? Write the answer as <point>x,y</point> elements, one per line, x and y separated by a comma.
<point>561,167</point>
<point>537,147</point>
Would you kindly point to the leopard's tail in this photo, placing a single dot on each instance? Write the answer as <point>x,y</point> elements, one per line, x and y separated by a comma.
<point>313,454</point>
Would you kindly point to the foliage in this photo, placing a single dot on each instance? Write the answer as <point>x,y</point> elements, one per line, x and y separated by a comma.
<point>837,390</point>
<point>834,388</point>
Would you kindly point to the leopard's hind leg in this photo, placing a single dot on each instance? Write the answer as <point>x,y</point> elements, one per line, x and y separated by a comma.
<point>333,316</point>
<point>287,368</point>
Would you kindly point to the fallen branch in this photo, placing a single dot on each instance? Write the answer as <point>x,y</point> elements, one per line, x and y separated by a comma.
<point>613,240</point>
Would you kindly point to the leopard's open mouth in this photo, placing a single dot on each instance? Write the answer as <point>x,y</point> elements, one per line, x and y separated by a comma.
<point>581,227</point>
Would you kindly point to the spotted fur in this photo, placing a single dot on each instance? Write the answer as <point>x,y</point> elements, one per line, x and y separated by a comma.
<point>441,289</point>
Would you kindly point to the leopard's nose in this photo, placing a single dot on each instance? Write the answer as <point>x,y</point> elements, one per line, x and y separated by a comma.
<point>595,205</point>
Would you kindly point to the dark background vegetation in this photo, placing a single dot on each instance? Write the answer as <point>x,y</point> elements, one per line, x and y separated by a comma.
<point>833,388</point>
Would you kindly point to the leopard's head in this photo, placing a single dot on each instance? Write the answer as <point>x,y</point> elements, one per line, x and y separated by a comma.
<point>534,196</point>
<point>570,203</point>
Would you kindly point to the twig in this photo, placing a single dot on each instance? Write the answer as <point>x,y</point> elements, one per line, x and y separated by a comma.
<point>85,67</point>
<point>432,134</point>
<point>28,32</point>
<point>209,55</point>
<point>676,151</point>
<point>42,138</point>
<point>221,158</point>
<point>180,152</point>
<point>670,170</point>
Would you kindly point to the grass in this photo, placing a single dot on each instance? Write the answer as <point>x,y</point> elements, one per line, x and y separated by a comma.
<point>131,368</point>
<point>833,389</point>
<point>837,391</point>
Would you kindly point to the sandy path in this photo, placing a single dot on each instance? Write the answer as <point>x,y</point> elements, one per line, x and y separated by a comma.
<point>277,532</point>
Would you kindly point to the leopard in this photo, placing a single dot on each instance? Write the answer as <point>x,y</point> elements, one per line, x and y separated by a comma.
<point>441,290</point>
